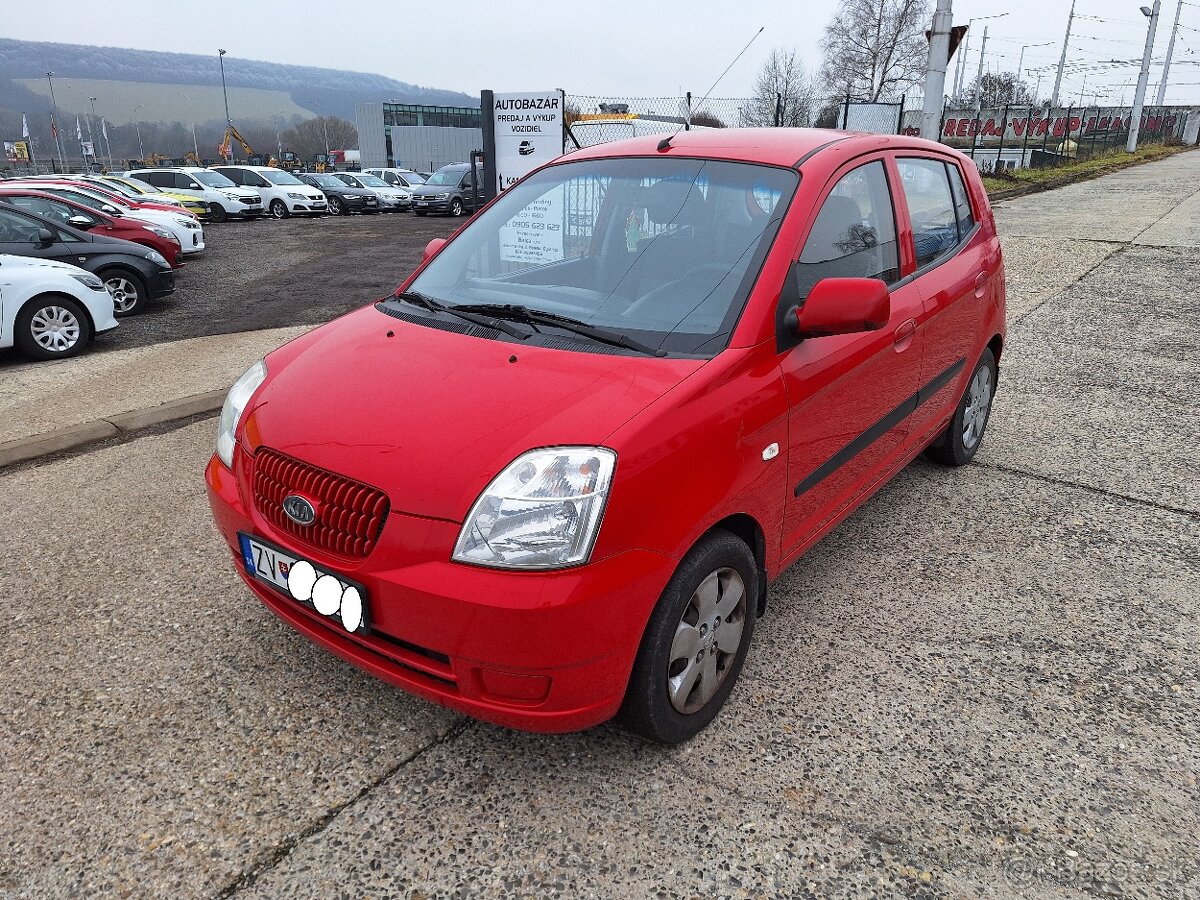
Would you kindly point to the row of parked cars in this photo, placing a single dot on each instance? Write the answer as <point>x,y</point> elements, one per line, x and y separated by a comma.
<point>122,237</point>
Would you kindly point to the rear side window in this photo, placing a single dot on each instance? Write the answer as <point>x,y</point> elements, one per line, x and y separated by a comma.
<point>234,175</point>
<point>962,203</point>
<point>160,179</point>
<point>854,235</point>
<point>930,206</point>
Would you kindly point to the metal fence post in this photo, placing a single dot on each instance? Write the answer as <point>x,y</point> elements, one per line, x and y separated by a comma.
<point>846,112</point>
<point>1003,133</point>
<point>687,122</point>
<point>900,117</point>
<point>1025,143</point>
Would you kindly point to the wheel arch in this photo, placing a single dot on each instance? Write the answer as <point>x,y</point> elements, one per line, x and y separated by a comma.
<point>747,529</point>
<point>53,293</point>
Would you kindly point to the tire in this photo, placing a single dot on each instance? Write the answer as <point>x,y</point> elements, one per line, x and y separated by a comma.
<point>335,207</point>
<point>33,337</point>
<point>127,289</point>
<point>959,443</point>
<point>456,207</point>
<point>682,675</point>
<point>217,213</point>
<point>279,209</point>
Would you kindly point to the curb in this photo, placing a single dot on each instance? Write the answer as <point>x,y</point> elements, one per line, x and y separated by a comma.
<point>72,436</point>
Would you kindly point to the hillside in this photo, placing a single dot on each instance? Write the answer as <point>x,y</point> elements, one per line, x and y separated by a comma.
<point>23,65</point>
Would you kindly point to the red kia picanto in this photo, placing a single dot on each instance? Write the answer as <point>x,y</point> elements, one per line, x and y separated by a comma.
<point>548,481</point>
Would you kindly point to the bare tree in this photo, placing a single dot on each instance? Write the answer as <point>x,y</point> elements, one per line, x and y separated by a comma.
<point>307,138</point>
<point>781,83</point>
<point>996,89</point>
<point>875,50</point>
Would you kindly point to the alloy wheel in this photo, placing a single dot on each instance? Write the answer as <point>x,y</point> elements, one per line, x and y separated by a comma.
<point>335,206</point>
<point>55,328</point>
<point>456,207</point>
<point>979,400</point>
<point>123,292</point>
<point>279,209</point>
<point>706,640</point>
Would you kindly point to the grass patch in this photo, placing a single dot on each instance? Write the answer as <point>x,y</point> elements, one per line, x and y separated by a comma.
<point>1020,181</point>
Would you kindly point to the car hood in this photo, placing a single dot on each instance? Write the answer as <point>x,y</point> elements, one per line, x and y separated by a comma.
<point>237,190</point>
<point>350,191</point>
<point>432,416</point>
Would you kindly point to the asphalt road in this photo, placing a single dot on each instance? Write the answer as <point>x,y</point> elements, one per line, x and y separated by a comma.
<point>982,684</point>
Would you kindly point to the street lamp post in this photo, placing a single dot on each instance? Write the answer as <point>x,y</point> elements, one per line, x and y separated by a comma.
<point>961,71</point>
<point>62,160</point>
<point>137,126</point>
<point>1139,96</point>
<point>1024,47</point>
<point>224,93</point>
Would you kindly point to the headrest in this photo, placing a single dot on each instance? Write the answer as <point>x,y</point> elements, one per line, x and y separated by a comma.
<point>674,203</point>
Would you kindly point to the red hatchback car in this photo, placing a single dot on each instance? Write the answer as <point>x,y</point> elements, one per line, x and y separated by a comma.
<point>549,479</point>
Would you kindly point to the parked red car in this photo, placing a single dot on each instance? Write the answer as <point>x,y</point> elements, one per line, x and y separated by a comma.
<point>635,388</point>
<point>71,213</point>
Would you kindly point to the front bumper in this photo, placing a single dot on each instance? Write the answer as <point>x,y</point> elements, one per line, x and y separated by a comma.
<point>160,284</point>
<point>389,204</point>
<point>546,652</point>
<point>191,240</point>
<point>311,207</point>
<point>425,205</point>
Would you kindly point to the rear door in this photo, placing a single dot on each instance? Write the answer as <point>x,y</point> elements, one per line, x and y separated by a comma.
<point>849,394</point>
<point>952,274</point>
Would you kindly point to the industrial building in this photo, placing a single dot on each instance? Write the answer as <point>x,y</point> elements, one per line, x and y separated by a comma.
<point>417,137</point>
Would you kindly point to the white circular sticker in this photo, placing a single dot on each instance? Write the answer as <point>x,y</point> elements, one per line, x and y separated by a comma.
<point>327,595</point>
<point>351,609</point>
<point>301,578</point>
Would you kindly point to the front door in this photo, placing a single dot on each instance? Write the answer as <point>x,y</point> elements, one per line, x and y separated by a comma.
<point>19,236</point>
<point>849,395</point>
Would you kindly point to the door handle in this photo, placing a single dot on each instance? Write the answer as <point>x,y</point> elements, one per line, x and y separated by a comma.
<point>904,334</point>
<point>981,284</point>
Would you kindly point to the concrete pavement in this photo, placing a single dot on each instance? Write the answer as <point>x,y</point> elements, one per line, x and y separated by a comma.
<point>982,684</point>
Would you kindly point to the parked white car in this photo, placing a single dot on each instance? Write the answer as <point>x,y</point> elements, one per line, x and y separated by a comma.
<point>182,226</point>
<point>401,178</point>
<point>224,198</point>
<point>51,310</point>
<point>391,199</point>
<point>283,193</point>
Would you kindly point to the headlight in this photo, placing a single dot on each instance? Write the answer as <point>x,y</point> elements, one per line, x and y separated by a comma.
<point>155,257</point>
<point>443,195</point>
<point>294,196</point>
<point>231,413</point>
<point>89,280</point>
<point>186,223</point>
<point>161,232</point>
<point>542,512</point>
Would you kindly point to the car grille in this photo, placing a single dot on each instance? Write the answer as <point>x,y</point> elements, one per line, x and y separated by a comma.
<point>350,514</point>
<point>251,201</point>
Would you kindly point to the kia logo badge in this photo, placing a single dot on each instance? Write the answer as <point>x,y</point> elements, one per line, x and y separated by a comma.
<point>299,510</point>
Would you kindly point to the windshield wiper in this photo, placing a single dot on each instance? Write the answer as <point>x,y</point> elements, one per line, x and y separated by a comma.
<point>519,313</point>
<point>424,301</point>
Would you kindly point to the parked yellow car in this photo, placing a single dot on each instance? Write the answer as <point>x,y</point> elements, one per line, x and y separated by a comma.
<point>139,190</point>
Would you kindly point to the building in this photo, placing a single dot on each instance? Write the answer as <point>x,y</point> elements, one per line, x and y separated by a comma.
<point>417,137</point>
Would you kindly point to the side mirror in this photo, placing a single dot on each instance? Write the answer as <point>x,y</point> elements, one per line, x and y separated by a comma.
<point>841,306</point>
<point>45,237</point>
<point>80,222</point>
<point>432,248</point>
<point>111,210</point>
<point>194,187</point>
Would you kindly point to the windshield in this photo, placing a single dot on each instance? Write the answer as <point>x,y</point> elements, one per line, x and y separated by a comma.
<point>119,187</point>
<point>326,181</point>
<point>372,181</point>
<point>442,176</point>
<point>213,179</point>
<point>664,251</point>
<point>278,176</point>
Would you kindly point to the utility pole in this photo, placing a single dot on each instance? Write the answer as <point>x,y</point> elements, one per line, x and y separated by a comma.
<point>979,74</point>
<point>1162,85</point>
<point>1062,60</point>
<point>62,160</point>
<point>961,71</point>
<point>1139,96</point>
<point>935,71</point>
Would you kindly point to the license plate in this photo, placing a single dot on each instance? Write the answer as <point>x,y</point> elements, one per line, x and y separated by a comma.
<point>332,596</point>
<point>422,203</point>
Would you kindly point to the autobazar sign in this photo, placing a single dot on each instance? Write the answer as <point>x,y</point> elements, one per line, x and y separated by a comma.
<point>527,131</point>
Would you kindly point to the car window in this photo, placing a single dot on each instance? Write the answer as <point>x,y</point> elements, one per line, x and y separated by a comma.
<point>183,182</point>
<point>18,229</point>
<point>962,203</point>
<point>346,179</point>
<point>234,175</point>
<point>161,179</point>
<point>930,207</point>
<point>854,235</point>
<point>54,210</point>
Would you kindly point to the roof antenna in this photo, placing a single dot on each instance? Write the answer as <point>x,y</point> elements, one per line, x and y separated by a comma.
<point>665,143</point>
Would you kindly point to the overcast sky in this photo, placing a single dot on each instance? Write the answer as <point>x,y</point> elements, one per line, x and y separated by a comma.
<point>614,47</point>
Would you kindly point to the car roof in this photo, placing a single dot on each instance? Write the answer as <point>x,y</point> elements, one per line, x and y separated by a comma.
<point>772,146</point>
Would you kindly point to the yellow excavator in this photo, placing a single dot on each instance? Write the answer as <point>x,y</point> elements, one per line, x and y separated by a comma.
<point>231,135</point>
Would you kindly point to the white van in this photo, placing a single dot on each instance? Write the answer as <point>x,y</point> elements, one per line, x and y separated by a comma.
<point>283,193</point>
<point>224,198</point>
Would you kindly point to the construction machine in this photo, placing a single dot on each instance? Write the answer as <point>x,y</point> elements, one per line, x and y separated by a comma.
<point>226,148</point>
